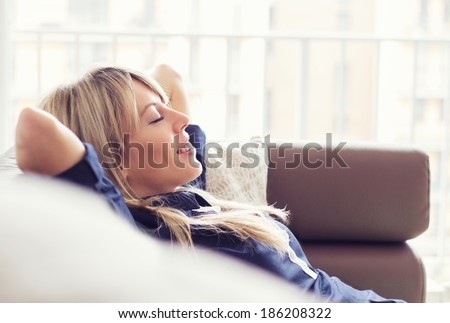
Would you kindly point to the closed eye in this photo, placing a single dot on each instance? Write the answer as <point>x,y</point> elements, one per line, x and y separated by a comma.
<point>161,118</point>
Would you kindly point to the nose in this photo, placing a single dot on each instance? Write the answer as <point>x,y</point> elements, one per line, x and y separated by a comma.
<point>181,121</point>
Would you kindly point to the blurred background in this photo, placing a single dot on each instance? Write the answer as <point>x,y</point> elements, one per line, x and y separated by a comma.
<point>363,70</point>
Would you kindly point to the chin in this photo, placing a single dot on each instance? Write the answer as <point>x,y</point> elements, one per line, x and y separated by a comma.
<point>196,172</point>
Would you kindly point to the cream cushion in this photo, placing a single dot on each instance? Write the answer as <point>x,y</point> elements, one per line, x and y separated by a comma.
<point>237,171</point>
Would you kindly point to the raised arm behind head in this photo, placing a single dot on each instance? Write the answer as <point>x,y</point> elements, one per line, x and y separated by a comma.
<point>44,145</point>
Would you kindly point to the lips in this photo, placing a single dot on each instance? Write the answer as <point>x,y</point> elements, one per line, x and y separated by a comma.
<point>185,148</point>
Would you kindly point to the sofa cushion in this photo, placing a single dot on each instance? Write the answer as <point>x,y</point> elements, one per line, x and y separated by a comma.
<point>390,269</point>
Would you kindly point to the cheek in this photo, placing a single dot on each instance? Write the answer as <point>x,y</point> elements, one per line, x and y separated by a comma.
<point>159,155</point>
<point>134,159</point>
<point>156,153</point>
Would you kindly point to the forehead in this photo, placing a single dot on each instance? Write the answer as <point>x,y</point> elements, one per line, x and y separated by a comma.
<point>144,94</point>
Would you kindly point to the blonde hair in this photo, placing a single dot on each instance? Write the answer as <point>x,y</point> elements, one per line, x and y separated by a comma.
<point>101,107</point>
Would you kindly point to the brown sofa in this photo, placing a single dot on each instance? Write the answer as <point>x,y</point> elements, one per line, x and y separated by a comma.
<point>354,219</point>
<point>355,215</point>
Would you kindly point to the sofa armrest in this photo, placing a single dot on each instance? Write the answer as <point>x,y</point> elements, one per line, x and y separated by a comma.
<point>381,195</point>
<point>62,243</point>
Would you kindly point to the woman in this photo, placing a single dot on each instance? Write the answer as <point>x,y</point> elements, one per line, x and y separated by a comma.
<point>120,134</point>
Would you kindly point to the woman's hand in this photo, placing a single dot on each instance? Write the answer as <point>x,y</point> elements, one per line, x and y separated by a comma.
<point>172,84</point>
<point>44,145</point>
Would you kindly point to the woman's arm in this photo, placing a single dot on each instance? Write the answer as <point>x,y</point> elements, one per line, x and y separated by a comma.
<point>172,83</point>
<point>44,145</point>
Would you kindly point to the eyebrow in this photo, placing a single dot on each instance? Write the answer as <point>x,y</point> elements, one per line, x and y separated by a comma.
<point>149,105</point>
